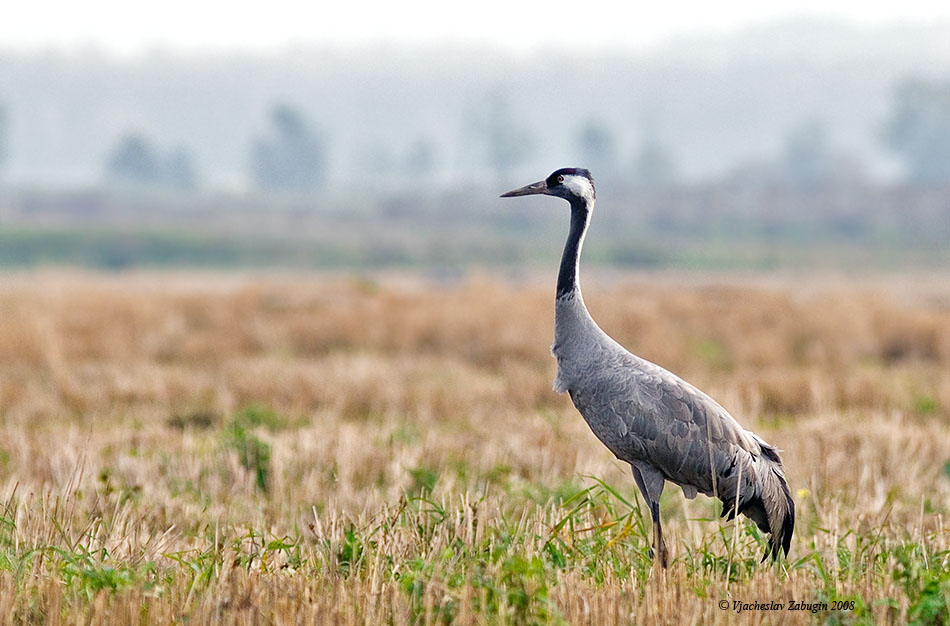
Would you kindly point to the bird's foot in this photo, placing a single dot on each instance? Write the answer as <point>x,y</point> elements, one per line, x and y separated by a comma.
<point>663,556</point>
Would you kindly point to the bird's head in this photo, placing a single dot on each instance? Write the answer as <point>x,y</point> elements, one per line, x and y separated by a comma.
<point>574,184</point>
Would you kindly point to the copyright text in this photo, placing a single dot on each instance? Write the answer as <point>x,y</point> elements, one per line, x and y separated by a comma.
<point>792,605</point>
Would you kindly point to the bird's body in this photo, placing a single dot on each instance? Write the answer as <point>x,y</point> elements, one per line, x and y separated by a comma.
<point>665,428</point>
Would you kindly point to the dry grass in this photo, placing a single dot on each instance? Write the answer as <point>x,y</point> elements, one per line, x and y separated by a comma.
<point>234,449</point>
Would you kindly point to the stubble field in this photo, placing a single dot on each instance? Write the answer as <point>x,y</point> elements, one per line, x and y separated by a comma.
<point>222,448</point>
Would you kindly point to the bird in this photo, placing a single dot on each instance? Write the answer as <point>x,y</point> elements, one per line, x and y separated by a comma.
<point>664,427</point>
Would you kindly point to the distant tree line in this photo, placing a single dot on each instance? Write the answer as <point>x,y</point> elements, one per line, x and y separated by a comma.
<point>291,155</point>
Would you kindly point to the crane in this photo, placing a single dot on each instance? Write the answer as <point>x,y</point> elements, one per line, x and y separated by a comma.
<point>664,427</point>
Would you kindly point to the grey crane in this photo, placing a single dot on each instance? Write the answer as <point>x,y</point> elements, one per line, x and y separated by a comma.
<point>665,428</point>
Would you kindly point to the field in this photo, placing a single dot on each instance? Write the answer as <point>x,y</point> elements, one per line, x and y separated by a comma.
<point>187,448</point>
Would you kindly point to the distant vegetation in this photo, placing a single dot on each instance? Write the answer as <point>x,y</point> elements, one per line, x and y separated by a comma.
<point>136,163</point>
<point>795,100</point>
<point>919,129</point>
<point>291,157</point>
<point>721,226</point>
<point>796,156</point>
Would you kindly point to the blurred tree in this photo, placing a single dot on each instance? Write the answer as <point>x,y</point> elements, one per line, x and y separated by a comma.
<point>654,165</point>
<point>919,129</point>
<point>598,148</point>
<point>292,157</point>
<point>134,160</point>
<point>806,158</point>
<point>180,170</point>
<point>137,162</point>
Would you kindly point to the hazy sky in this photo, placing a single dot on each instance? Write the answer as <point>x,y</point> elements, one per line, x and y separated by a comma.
<point>130,27</point>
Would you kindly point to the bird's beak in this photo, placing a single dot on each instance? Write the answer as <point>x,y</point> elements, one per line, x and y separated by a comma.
<point>528,190</point>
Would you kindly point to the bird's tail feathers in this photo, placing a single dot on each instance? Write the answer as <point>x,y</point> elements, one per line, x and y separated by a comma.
<point>781,515</point>
<point>776,500</point>
<point>770,505</point>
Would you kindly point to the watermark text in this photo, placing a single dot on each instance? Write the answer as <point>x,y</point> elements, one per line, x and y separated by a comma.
<point>740,606</point>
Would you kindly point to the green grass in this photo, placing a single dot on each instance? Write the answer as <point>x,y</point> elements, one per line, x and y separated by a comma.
<point>508,570</point>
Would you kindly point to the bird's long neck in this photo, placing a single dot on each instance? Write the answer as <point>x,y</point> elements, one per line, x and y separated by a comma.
<point>567,277</point>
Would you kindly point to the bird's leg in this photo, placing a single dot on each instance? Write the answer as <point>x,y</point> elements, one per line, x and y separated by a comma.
<point>659,545</point>
<point>650,483</point>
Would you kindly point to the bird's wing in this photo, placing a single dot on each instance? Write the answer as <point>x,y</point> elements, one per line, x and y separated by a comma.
<point>645,413</point>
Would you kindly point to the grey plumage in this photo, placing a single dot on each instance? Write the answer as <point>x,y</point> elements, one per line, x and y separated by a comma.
<point>665,428</point>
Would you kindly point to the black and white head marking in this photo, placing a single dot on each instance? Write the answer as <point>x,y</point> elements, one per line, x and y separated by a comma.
<point>572,182</point>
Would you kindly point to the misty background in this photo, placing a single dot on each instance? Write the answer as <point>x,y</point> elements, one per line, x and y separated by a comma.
<point>802,142</point>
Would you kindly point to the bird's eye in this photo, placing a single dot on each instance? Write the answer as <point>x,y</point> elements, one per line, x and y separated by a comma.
<point>560,179</point>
